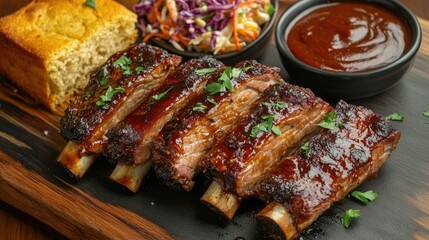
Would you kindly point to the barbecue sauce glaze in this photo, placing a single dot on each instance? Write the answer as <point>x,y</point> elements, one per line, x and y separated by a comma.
<point>335,160</point>
<point>348,36</point>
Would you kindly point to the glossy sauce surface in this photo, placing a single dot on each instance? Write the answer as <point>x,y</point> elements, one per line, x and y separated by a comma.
<point>240,156</point>
<point>336,160</point>
<point>348,36</point>
<point>135,133</point>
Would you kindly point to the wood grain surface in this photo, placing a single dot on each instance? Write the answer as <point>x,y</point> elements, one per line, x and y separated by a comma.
<point>94,208</point>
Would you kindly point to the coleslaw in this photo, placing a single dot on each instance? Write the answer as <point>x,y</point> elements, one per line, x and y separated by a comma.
<point>215,26</point>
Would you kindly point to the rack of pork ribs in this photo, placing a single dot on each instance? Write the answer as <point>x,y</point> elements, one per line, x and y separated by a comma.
<point>242,127</point>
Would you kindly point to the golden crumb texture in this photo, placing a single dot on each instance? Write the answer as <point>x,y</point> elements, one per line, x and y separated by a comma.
<point>50,47</point>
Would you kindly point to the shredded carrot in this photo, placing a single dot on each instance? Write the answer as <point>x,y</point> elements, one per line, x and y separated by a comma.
<point>154,12</point>
<point>164,30</point>
<point>250,34</point>
<point>171,11</point>
<point>234,29</point>
<point>182,39</point>
<point>151,35</point>
<point>167,25</point>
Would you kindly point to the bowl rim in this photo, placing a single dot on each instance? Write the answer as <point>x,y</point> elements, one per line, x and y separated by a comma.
<point>408,16</point>
<point>266,30</point>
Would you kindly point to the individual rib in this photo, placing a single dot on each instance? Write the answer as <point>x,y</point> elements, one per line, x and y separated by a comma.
<point>242,159</point>
<point>305,185</point>
<point>130,142</point>
<point>113,91</point>
<point>184,141</point>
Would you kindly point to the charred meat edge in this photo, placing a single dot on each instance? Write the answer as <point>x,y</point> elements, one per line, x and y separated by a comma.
<point>287,214</point>
<point>131,141</point>
<point>84,123</point>
<point>240,162</point>
<point>184,141</point>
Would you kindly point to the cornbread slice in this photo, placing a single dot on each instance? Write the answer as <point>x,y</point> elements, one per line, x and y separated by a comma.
<point>49,47</point>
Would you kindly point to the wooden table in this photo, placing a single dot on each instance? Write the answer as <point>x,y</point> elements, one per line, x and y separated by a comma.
<point>15,224</point>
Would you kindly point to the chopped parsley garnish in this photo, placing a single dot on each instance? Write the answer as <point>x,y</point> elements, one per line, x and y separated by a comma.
<point>139,69</point>
<point>205,70</point>
<point>330,120</point>
<point>235,72</point>
<point>276,130</point>
<point>161,95</point>
<point>105,78</point>
<point>365,197</point>
<point>278,105</point>
<point>124,63</point>
<point>396,117</point>
<point>91,3</point>
<point>224,83</point>
<point>348,216</point>
<point>266,126</point>
<point>107,97</point>
<point>211,100</point>
<point>246,68</point>
<point>305,149</point>
<point>426,114</point>
<point>199,107</point>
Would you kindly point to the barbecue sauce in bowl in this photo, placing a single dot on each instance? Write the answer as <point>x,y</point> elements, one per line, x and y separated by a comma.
<point>348,36</point>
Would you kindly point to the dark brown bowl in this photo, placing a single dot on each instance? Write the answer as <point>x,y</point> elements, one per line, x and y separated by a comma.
<point>252,51</point>
<point>345,85</point>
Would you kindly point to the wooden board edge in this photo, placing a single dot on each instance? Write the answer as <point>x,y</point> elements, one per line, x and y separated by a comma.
<point>69,210</point>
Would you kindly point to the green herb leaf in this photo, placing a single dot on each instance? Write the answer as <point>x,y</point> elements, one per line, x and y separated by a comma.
<point>276,130</point>
<point>348,216</point>
<point>270,9</point>
<point>214,88</point>
<point>108,95</point>
<point>225,78</point>
<point>396,117</point>
<point>139,69</point>
<point>91,3</point>
<point>211,100</point>
<point>124,63</point>
<point>228,84</point>
<point>223,83</point>
<point>257,128</point>
<point>426,114</point>
<point>340,124</point>
<point>365,197</point>
<point>328,121</point>
<point>278,105</point>
<point>305,149</point>
<point>105,78</point>
<point>267,126</point>
<point>161,95</point>
<point>246,68</point>
<point>205,71</point>
<point>102,104</point>
<point>199,107</point>
<point>105,72</point>
<point>236,72</point>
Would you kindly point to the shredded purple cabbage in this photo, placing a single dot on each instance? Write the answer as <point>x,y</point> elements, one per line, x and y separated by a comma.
<point>190,9</point>
<point>215,13</point>
<point>144,7</point>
